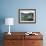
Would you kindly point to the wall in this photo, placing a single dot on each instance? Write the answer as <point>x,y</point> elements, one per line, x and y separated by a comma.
<point>9,8</point>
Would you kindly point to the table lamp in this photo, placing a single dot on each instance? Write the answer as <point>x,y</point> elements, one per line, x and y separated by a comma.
<point>9,21</point>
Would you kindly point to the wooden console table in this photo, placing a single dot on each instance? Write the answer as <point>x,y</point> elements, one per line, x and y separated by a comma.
<point>20,39</point>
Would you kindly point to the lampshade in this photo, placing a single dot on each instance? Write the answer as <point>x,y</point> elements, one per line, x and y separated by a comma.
<point>9,21</point>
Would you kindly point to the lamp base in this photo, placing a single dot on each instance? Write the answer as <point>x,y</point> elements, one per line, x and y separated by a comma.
<point>9,33</point>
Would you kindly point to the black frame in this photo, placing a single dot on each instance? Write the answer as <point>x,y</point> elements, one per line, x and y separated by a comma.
<point>28,12</point>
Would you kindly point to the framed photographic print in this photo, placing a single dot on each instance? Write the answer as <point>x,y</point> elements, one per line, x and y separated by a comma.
<point>27,15</point>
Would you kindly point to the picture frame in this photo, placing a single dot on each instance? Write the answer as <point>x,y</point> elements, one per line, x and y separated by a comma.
<point>27,15</point>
